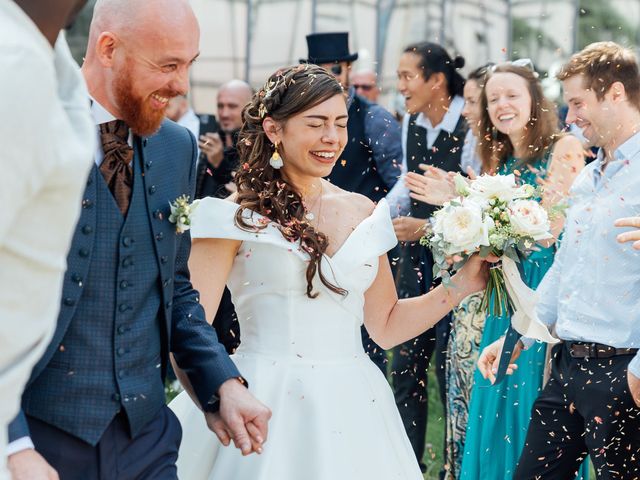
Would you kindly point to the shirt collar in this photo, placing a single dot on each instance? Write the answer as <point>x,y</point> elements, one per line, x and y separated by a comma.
<point>450,119</point>
<point>624,153</point>
<point>99,113</point>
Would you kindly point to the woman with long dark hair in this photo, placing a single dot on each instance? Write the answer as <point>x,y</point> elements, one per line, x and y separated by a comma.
<point>306,264</point>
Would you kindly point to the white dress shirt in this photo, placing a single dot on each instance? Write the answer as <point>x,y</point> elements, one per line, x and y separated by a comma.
<point>47,143</point>
<point>398,196</point>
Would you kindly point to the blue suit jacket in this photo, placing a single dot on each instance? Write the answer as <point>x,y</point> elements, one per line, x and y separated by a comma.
<point>169,164</point>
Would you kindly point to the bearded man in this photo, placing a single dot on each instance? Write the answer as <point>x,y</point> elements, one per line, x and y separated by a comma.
<point>94,407</point>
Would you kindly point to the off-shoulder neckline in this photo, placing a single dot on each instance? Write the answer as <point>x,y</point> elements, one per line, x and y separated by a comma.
<point>253,214</point>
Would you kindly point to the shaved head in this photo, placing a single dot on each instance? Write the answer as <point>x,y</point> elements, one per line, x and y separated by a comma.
<point>136,16</point>
<point>232,97</point>
<point>138,58</point>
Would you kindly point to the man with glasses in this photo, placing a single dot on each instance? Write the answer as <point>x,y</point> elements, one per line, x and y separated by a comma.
<point>371,162</point>
<point>365,84</point>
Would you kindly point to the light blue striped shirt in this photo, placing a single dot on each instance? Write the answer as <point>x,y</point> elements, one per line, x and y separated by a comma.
<point>592,291</point>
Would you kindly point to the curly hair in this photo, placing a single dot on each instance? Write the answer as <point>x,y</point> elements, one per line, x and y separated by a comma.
<point>262,188</point>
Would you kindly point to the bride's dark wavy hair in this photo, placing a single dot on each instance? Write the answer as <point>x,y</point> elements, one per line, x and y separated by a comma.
<point>262,188</point>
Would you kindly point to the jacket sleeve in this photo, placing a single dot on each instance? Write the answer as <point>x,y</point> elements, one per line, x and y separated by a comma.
<point>194,343</point>
<point>384,135</point>
<point>18,428</point>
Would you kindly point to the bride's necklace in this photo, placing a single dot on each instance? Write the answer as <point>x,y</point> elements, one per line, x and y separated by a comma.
<point>309,215</point>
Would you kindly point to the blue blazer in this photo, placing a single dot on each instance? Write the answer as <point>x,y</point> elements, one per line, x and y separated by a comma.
<point>168,160</point>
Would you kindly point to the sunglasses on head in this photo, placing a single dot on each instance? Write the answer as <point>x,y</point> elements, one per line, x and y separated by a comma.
<point>364,87</point>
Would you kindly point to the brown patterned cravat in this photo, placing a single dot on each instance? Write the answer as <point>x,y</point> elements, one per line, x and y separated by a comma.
<point>117,164</point>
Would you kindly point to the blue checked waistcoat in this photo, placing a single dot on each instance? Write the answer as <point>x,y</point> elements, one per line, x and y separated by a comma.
<point>127,301</point>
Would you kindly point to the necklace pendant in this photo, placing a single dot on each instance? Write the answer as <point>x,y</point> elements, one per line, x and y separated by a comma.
<point>309,216</point>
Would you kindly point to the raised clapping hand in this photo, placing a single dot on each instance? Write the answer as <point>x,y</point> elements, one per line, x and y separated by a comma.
<point>632,236</point>
<point>490,358</point>
<point>241,419</point>
<point>435,186</point>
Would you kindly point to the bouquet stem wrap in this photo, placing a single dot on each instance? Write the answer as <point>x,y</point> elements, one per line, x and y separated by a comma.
<point>523,300</point>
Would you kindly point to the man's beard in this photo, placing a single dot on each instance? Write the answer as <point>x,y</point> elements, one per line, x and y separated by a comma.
<point>137,112</point>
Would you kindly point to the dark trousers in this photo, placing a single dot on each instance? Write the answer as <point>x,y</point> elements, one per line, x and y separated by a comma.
<point>411,359</point>
<point>586,407</point>
<point>375,352</point>
<point>410,381</point>
<point>151,455</point>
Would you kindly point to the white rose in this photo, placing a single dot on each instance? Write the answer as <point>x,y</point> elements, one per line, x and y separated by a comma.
<point>528,218</point>
<point>486,187</point>
<point>463,227</point>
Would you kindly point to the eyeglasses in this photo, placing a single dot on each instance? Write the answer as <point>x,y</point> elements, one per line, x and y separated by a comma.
<point>336,69</point>
<point>364,87</point>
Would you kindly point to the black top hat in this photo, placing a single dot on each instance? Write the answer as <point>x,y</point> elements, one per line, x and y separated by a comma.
<point>328,48</point>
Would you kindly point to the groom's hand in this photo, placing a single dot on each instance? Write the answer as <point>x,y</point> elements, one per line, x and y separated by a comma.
<point>490,359</point>
<point>243,418</point>
<point>30,465</point>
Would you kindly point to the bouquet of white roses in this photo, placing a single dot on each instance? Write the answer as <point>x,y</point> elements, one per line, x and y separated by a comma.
<point>495,216</point>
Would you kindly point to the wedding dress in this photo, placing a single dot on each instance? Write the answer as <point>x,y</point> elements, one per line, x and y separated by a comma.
<point>334,415</point>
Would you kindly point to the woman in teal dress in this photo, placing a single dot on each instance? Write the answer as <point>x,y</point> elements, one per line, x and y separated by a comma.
<point>520,137</point>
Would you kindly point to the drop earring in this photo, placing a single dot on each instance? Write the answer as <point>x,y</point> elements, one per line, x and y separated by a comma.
<point>276,160</point>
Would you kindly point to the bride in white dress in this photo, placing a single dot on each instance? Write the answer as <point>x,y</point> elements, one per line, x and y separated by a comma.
<point>306,264</point>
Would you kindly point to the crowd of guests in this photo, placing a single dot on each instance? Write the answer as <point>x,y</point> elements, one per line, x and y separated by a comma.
<point>496,121</point>
<point>470,126</point>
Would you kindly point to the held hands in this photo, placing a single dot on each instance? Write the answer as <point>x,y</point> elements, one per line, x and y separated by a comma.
<point>490,358</point>
<point>633,236</point>
<point>242,418</point>
<point>213,148</point>
<point>30,465</point>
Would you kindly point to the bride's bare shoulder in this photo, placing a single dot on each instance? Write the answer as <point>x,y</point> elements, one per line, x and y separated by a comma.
<point>353,205</point>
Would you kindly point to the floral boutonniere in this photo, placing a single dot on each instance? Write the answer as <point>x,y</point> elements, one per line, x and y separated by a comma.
<point>181,212</point>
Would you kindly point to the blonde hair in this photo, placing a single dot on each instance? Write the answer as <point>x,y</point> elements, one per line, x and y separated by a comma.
<point>602,64</point>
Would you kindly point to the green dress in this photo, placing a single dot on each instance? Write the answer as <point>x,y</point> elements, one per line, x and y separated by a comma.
<point>499,415</point>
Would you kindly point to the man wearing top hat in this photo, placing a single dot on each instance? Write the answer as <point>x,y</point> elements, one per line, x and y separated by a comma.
<point>371,161</point>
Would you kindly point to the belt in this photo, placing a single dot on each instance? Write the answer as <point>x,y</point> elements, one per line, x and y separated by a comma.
<point>597,350</point>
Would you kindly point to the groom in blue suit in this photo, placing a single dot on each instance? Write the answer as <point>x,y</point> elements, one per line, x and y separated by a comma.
<point>94,407</point>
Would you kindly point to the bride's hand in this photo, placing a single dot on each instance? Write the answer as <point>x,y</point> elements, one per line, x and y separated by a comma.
<point>473,276</point>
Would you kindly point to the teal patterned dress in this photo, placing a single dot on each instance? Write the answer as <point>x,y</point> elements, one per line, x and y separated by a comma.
<point>467,325</point>
<point>499,415</point>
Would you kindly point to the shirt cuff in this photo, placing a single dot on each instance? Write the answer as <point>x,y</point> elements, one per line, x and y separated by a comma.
<point>22,443</point>
<point>527,342</point>
<point>634,366</point>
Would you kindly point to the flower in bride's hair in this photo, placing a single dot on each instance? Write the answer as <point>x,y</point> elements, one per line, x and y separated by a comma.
<point>262,110</point>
